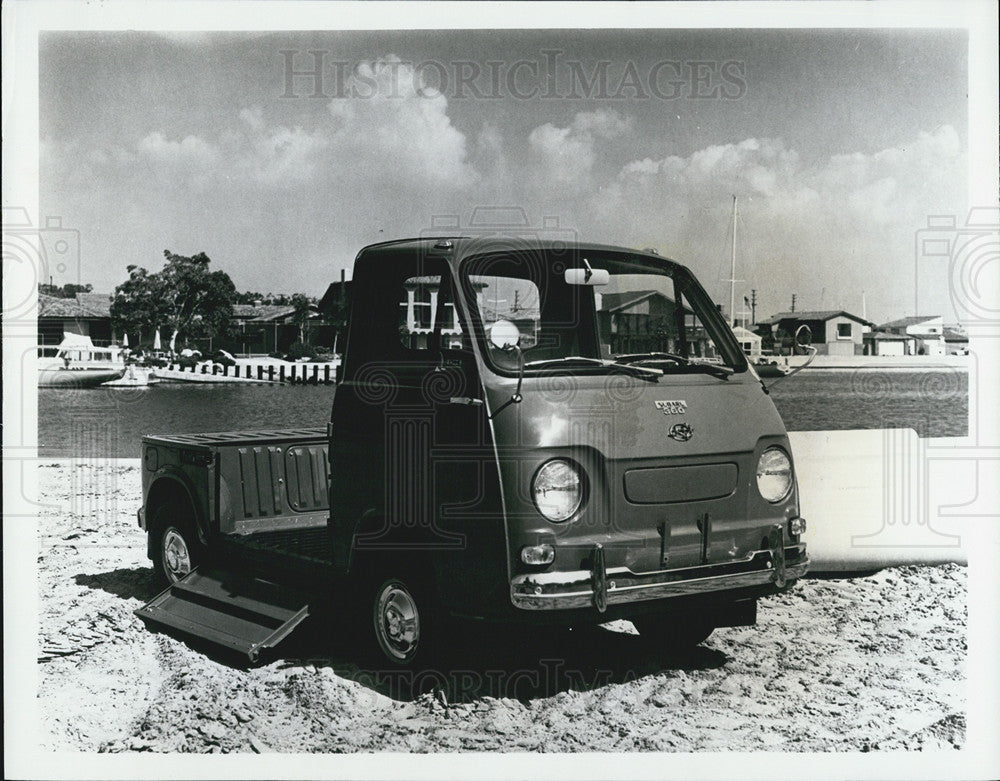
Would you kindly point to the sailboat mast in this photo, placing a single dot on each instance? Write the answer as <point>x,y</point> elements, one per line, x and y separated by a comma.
<point>732,276</point>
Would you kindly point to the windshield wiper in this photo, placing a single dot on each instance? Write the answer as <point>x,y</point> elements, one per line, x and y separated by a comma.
<point>638,359</point>
<point>650,357</point>
<point>715,369</point>
<point>568,359</point>
<point>643,372</point>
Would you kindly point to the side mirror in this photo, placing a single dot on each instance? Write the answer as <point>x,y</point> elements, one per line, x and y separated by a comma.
<point>504,335</point>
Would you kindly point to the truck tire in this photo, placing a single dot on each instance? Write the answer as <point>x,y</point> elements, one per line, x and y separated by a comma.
<point>672,633</point>
<point>176,548</point>
<point>402,619</point>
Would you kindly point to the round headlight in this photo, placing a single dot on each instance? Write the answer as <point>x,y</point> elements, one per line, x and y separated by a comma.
<point>774,474</point>
<point>557,490</point>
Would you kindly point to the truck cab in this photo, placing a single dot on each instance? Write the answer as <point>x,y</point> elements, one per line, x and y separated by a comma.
<point>521,431</point>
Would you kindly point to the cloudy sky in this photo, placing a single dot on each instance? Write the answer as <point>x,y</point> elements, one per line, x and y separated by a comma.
<point>839,145</point>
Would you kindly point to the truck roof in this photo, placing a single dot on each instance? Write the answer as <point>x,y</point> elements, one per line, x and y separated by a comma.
<point>460,246</point>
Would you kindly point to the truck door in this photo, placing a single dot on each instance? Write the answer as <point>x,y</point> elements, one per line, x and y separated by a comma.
<point>409,451</point>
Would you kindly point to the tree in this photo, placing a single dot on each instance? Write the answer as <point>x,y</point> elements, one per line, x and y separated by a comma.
<point>303,309</point>
<point>68,290</point>
<point>137,303</point>
<point>184,296</point>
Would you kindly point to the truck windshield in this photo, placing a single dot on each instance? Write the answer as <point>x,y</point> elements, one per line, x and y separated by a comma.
<point>650,315</point>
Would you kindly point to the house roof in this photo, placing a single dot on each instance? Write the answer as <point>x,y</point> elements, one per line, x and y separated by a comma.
<point>615,302</point>
<point>744,333</point>
<point>335,292</point>
<point>99,302</point>
<point>265,313</point>
<point>880,336</point>
<point>954,335</point>
<point>86,306</point>
<point>905,322</point>
<point>819,314</point>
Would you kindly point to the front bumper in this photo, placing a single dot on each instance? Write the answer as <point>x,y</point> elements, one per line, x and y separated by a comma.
<point>599,587</point>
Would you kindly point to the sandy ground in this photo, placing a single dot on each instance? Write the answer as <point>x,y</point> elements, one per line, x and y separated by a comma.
<point>866,664</point>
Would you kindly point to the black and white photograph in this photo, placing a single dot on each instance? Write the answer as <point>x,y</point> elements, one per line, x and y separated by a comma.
<point>490,390</point>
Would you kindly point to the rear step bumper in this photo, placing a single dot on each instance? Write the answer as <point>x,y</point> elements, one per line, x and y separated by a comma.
<point>236,611</point>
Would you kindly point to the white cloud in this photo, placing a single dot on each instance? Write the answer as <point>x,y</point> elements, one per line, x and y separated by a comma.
<point>565,156</point>
<point>843,224</point>
<point>602,123</point>
<point>392,125</point>
<point>490,157</point>
<point>190,150</point>
<point>388,130</point>
<point>382,160</point>
<point>272,156</point>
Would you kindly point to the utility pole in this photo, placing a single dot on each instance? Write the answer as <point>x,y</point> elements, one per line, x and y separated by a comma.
<point>753,307</point>
<point>793,302</point>
<point>732,276</point>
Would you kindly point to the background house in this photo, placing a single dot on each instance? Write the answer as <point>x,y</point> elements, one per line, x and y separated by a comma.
<point>418,314</point>
<point>834,332</point>
<point>266,328</point>
<point>927,332</point>
<point>335,313</point>
<point>87,314</point>
<point>881,343</point>
<point>643,321</point>
<point>956,340</point>
<point>749,342</point>
<point>336,301</point>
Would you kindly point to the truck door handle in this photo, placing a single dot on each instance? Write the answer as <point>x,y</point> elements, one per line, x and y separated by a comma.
<point>466,401</point>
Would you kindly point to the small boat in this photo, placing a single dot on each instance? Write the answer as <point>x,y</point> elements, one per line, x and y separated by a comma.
<point>134,377</point>
<point>766,368</point>
<point>77,363</point>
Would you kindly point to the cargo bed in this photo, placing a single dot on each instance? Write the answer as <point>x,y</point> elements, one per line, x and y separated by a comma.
<point>288,554</point>
<point>264,496</point>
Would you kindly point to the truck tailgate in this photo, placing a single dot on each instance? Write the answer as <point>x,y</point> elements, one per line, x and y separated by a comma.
<point>236,611</point>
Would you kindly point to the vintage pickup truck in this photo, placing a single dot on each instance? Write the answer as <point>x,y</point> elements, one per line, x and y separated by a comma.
<point>521,431</point>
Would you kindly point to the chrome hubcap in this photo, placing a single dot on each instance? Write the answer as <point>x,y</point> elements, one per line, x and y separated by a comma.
<point>397,622</point>
<point>176,557</point>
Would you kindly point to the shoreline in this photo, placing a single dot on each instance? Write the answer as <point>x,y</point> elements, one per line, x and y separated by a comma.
<point>882,362</point>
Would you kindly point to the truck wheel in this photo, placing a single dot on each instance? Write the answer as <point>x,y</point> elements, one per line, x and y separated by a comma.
<point>402,619</point>
<point>672,633</point>
<point>176,548</point>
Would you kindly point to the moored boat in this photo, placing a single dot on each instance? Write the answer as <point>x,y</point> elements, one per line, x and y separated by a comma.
<point>771,369</point>
<point>134,377</point>
<point>77,363</point>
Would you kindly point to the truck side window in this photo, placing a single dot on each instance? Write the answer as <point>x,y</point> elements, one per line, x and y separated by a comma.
<point>418,311</point>
<point>428,319</point>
